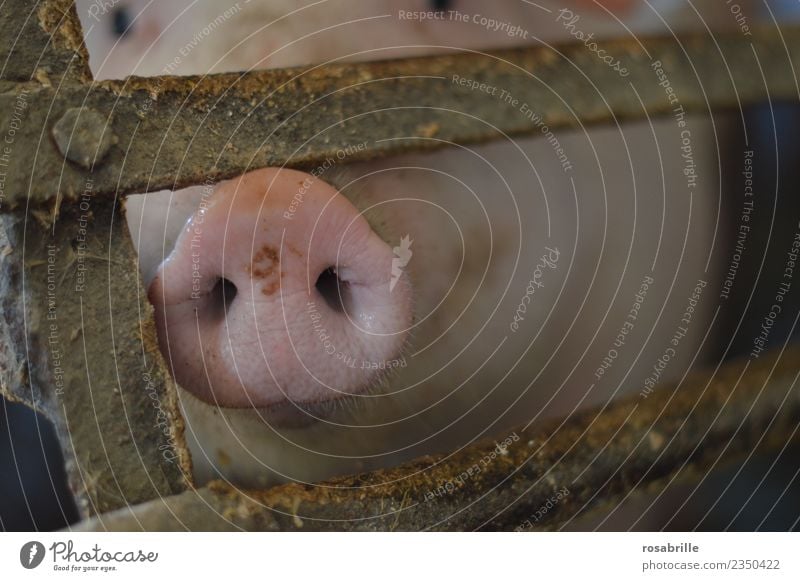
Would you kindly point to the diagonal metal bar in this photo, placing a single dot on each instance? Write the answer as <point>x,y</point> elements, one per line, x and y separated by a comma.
<point>42,40</point>
<point>586,462</point>
<point>168,132</point>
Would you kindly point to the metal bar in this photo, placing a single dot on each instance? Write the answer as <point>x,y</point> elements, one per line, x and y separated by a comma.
<point>595,457</point>
<point>170,132</point>
<point>77,340</point>
<point>42,40</point>
<point>78,343</point>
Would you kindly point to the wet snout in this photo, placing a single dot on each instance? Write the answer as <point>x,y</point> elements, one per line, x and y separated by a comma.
<point>279,292</point>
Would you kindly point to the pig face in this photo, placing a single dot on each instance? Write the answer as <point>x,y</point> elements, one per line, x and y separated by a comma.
<point>357,315</point>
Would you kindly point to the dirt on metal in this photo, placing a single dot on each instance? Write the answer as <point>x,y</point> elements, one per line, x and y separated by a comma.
<point>598,457</point>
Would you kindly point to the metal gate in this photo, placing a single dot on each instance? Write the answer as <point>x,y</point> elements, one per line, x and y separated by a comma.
<point>86,355</point>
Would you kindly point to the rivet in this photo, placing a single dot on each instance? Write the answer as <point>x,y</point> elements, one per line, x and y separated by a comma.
<point>83,137</point>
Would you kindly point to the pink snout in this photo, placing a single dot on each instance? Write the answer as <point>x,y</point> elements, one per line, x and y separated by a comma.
<point>278,291</point>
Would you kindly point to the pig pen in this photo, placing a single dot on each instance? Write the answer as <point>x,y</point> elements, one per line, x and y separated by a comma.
<point>86,355</point>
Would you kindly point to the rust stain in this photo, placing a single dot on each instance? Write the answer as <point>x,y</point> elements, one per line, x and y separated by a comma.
<point>428,129</point>
<point>59,19</point>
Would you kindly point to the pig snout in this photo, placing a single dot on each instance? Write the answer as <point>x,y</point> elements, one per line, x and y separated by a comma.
<point>279,292</point>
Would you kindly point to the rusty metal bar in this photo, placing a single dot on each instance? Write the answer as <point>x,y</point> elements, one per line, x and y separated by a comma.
<point>595,457</point>
<point>77,339</point>
<point>42,41</point>
<point>78,343</point>
<point>168,132</point>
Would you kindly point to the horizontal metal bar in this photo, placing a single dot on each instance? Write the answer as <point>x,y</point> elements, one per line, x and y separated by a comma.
<point>169,132</point>
<point>591,459</point>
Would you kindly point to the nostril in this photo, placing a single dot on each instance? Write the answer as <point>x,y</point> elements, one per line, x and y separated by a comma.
<point>333,289</point>
<point>221,297</point>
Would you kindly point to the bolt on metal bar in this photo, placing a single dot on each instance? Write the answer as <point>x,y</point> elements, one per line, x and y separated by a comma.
<point>591,458</point>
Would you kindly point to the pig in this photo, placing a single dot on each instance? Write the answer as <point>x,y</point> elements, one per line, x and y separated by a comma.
<point>357,315</point>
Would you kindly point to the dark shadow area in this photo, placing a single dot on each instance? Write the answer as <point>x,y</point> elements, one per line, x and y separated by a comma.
<point>762,493</point>
<point>34,495</point>
<point>759,494</point>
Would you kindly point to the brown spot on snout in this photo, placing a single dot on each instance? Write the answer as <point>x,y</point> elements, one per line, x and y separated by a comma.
<point>265,264</point>
<point>271,288</point>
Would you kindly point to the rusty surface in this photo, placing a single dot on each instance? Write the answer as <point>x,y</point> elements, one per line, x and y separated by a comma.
<point>41,41</point>
<point>597,458</point>
<point>79,346</point>
<point>77,338</point>
<point>173,132</point>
